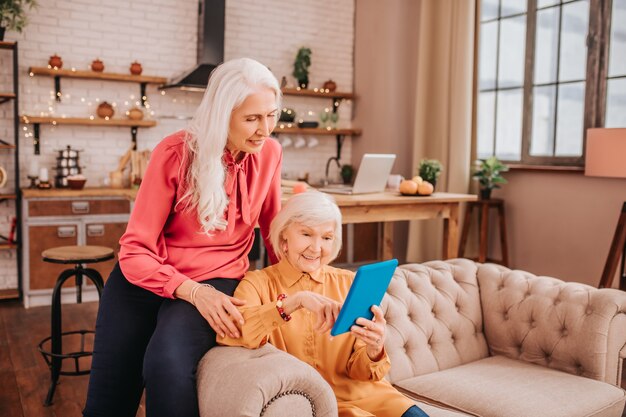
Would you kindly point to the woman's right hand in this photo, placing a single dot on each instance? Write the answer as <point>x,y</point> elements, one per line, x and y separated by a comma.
<point>220,311</point>
<point>326,309</point>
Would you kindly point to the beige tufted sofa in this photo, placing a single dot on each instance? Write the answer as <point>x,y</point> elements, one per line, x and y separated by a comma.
<point>465,339</point>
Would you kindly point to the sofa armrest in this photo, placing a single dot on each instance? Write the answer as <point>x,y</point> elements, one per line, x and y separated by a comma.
<point>562,325</point>
<point>235,381</point>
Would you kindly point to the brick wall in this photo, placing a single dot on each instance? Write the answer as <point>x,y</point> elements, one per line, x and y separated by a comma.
<point>161,34</point>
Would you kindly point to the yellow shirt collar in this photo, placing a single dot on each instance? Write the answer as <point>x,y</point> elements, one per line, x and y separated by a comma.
<point>290,275</point>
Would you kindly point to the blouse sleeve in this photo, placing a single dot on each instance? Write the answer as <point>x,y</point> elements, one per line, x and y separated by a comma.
<point>270,207</point>
<point>362,368</point>
<point>260,318</point>
<point>143,250</point>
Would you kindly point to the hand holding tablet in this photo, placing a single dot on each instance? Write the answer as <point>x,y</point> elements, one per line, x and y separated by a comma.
<point>368,288</point>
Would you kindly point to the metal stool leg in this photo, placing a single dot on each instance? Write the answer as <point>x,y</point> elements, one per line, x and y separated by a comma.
<point>96,278</point>
<point>57,339</point>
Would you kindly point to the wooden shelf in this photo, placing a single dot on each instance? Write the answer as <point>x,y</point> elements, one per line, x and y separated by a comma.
<point>7,45</point>
<point>92,75</point>
<point>4,246</point>
<point>3,146</point>
<point>317,131</point>
<point>86,121</point>
<point>9,294</point>
<point>312,93</point>
<point>6,97</point>
<point>7,196</point>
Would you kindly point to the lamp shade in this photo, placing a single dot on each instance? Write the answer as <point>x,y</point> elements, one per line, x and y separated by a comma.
<point>605,155</point>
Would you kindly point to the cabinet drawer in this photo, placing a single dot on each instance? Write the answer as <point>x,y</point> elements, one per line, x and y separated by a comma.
<point>77,207</point>
<point>108,235</point>
<point>44,274</point>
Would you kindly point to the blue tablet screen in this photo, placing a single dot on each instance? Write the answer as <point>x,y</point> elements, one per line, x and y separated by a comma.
<point>368,288</point>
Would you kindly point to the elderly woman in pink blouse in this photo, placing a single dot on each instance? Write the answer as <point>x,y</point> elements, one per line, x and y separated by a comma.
<point>185,248</point>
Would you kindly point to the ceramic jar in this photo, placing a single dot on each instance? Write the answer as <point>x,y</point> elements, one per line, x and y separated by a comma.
<point>330,85</point>
<point>134,114</point>
<point>97,65</point>
<point>55,62</point>
<point>105,110</point>
<point>135,68</point>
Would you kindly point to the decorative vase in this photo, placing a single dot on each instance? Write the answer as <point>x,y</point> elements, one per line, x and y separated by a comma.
<point>330,85</point>
<point>134,114</point>
<point>97,65</point>
<point>485,193</point>
<point>55,62</point>
<point>135,68</point>
<point>105,110</point>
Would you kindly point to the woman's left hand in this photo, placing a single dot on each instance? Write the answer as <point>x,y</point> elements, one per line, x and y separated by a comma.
<point>372,332</point>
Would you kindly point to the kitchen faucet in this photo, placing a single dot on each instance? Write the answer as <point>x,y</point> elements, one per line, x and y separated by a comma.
<point>332,158</point>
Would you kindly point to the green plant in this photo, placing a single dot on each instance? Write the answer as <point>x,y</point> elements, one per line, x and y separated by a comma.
<point>13,13</point>
<point>488,173</point>
<point>429,170</point>
<point>347,171</point>
<point>301,66</point>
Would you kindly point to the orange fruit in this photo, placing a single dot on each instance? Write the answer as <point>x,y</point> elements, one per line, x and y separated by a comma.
<point>425,188</point>
<point>408,187</point>
<point>299,188</point>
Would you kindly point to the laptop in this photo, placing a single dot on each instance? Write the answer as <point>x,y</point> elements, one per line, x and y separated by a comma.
<point>371,177</point>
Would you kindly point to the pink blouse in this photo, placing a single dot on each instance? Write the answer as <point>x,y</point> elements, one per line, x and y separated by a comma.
<point>164,246</point>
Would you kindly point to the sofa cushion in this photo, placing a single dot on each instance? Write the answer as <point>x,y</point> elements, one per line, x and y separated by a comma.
<point>434,320</point>
<point>499,386</point>
<point>556,324</point>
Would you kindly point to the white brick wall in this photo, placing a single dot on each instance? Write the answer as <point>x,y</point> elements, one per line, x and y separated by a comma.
<point>161,34</point>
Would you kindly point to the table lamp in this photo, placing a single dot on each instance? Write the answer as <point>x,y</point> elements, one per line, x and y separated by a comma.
<point>605,156</point>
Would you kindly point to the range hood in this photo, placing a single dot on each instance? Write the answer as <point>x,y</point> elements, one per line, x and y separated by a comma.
<point>211,16</point>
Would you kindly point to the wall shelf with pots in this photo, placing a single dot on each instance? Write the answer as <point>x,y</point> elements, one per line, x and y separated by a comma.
<point>36,121</point>
<point>142,80</point>
<point>336,97</point>
<point>14,240</point>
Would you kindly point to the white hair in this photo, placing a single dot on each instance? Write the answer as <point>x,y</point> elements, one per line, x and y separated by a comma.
<point>309,209</point>
<point>207,134</point>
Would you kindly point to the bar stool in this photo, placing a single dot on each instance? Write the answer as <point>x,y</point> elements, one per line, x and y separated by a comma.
<point>54,356</point>
<point>483,218</point>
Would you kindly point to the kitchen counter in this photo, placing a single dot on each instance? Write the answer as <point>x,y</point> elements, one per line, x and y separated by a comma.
<point>85,192</point>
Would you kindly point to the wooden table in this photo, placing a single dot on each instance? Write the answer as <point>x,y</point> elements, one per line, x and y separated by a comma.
<point>389,207</point>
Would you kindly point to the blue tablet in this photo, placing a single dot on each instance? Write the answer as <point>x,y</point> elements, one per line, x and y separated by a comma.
<point>368,288</point>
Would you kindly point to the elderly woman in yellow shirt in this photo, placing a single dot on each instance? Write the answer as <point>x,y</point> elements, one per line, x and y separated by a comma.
<point>294,303</point>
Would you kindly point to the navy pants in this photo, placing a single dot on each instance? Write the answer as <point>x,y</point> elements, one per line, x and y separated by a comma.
<point>414,411</point>
<point>146,340</point>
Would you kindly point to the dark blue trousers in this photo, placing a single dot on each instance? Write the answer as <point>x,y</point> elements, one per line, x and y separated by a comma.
<point>414,411</point>
<point>143,340</point>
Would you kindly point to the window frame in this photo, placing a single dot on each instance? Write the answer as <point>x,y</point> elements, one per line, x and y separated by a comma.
<point>596,73</point>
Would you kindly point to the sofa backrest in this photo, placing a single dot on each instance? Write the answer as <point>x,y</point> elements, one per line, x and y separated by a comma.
<point>434,319</point>
<point>567,326</point>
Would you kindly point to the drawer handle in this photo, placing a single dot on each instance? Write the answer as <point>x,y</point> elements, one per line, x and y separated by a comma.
<point>94,230</point>
<point>80,207</point>
<point>66,231</point>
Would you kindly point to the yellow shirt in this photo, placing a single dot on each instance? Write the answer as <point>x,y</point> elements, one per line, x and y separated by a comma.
<point>343,362</point>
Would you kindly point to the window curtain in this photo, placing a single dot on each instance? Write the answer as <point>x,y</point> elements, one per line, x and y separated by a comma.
<point>444,100</point>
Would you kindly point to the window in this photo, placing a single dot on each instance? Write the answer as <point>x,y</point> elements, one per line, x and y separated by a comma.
<point>543,77</point>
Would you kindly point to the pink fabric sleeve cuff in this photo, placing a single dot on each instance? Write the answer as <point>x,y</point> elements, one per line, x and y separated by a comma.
<point>173,283</point>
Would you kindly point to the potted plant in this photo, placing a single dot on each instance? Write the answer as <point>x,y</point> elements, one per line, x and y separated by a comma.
<point>488,175</point>
<point>429,170</point>
<point>301,67</point>
<point>347,172</point>
<point>13,14</point>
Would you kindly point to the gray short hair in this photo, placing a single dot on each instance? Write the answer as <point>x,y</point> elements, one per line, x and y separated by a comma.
<point>310,209</point>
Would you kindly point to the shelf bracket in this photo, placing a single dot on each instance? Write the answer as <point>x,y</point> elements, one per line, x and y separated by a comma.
<point>57,88</point>
<point>133,134</point>
<point>36,138</point>
<point>340,139</point>
<point>336,102</point>
<point>144,98</point>
<point>4,142</point>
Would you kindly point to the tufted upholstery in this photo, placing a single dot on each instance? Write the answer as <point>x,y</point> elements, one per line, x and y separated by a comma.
<point>434,318</point>
<point>551,323</point>
<point>465,339</point>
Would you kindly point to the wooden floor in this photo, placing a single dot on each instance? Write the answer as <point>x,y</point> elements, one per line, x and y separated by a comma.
<point>24,375</point>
